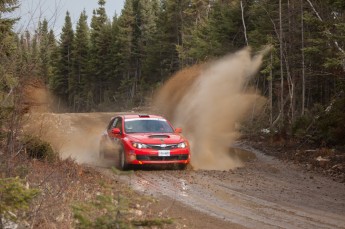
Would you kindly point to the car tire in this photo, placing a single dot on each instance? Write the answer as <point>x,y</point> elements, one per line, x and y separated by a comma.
<point>122,160</point>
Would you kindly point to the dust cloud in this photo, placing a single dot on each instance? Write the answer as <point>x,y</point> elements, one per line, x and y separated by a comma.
<point>36,97</point>
<point>73,136</point>
<point>208,101</point>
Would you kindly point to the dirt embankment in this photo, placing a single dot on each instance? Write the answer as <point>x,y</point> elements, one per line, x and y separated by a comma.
<point>325,161</point>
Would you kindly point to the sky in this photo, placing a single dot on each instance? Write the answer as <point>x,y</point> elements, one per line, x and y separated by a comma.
<point>31,11</point>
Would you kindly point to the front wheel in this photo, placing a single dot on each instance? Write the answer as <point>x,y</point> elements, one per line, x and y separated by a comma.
<point>123,160</point>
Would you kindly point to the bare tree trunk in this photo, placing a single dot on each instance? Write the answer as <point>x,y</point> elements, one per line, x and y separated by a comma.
<point>303,61</point>
<point>133,89</point>
<point>290,77</point>
<point>290,84</point>
<point>290,81</point>
<point>281,63</point>
<point>244,24</point>
<point>271,91</point>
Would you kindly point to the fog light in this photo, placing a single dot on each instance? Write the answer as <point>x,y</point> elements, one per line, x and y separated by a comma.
<point>132,157</point>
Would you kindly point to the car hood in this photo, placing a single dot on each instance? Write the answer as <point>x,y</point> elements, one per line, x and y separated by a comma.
<point>156,138</point>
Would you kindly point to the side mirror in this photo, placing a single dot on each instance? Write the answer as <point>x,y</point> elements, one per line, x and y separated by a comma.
<point>116,131</point>
<point>178,130</point>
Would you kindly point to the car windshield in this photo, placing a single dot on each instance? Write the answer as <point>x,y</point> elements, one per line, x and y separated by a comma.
<point>147,126</point>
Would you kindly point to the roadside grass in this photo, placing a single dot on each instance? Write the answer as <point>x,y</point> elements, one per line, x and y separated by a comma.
<point>63,194</point>
<point>75,196</point>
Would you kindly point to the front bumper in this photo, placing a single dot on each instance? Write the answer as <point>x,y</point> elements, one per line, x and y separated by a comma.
<point>149,156</point>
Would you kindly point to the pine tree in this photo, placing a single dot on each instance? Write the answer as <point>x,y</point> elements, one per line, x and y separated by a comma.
<point>6,24</point>
<point>195,15</point>
<point>98,50</point>
<point>116,57</point>
<point>105,56</point>
<point>46,43</point>
<point>7,50</point>
<point>125,25</point>
<point>81,66</point>
<point>217,34</point>
<point>10,78</point>
<point>63,81</point>
<point>52,56</point>
<point>137,27</point>
<point>150,43</point>
<point>170,23</point>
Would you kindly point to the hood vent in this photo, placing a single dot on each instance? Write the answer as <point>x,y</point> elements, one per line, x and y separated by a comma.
<point>159,136</point>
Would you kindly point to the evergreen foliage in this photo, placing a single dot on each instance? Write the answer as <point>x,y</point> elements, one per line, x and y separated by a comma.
<point>14,196</point>
<point>63,81</point>
<point>8,79</point>
<point>81,67</point>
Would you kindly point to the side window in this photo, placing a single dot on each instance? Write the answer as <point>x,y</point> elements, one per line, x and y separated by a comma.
<point>112,123</point>
<point>118,124</point>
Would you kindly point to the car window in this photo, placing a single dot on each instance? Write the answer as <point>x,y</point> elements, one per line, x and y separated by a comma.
<point>113,123</point>
<point>110,125</point>
<point>147,126</point>
<point>118,124</point>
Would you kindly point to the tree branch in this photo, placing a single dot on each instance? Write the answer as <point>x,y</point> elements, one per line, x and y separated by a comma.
<point>327,31</point>
<point>244,24</point>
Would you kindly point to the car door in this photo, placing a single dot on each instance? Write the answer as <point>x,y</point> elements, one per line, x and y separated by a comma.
<point>111,138</point>
<point>117,123</point>
<point>105,135</point>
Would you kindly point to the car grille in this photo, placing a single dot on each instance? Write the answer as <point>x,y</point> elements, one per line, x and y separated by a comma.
<point>157,158</point>
<point>162,146</point>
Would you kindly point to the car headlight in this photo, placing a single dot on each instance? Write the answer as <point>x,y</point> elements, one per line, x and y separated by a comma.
<point>182,145</point>
<point>139,145</point>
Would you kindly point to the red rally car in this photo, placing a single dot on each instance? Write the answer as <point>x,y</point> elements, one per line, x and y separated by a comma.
<point>139,139</point>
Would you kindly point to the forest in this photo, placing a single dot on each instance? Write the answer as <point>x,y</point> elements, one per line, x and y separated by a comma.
<point>117,61</point>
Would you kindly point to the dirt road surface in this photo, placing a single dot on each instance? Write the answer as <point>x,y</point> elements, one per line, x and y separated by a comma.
<point>265,193</point>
